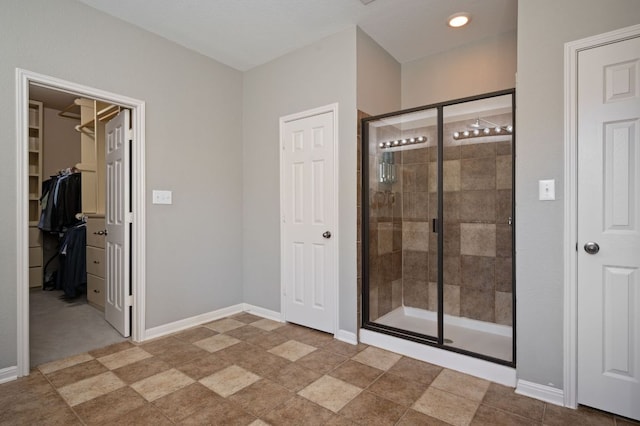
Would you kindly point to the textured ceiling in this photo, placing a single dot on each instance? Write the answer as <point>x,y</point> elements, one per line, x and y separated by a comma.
<point>247,33</point>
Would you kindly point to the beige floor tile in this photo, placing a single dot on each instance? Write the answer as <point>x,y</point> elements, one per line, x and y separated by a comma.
<point>330,393</point>
<point>230,380</point>
<point>378,358</point>
<point>445,406</point>
<point>225,324</point>
<point>59,364</point>
<point>292,350</point>
<point>461,384</point>
<point>75,373</point>
<point>267,324</point>
<point>217,342</point>
<point>162,384</point>
<point>126,357</point>
<point>87,389</point>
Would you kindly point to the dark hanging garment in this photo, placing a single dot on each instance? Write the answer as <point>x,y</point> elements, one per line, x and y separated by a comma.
<point>61,200</point>
<point>72,273</point>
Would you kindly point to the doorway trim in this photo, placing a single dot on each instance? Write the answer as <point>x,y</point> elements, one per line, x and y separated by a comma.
<point>138,250</point>
<point>571,51</point>
<point>332,108</point>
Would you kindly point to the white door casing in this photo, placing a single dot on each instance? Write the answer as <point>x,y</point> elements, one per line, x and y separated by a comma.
<point>138,268</point>
<point>608,297</point>
<point>117,220</point>
<point>309,219</point>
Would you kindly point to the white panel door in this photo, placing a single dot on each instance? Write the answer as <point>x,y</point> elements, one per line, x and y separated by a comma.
<point>608,228</point>
<point>309,219</point>
<point>118,219</point>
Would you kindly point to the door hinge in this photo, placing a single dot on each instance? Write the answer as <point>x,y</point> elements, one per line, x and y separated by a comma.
<point>129,217</point>
<point>130,135</point>
<point>128,300</point>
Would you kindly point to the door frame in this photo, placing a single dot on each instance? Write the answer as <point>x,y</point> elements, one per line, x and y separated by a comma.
<point>332,108</point>
<point>138,250</point>
<point>571,51</point>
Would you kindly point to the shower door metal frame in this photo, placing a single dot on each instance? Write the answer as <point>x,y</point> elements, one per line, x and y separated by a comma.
<point>437,341</point>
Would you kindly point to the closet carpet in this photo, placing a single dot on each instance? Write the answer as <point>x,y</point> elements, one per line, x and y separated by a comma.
<point>245,370</point>
<point>59,329</point>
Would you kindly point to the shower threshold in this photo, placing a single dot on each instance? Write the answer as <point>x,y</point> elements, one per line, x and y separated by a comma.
<point>488,339</point>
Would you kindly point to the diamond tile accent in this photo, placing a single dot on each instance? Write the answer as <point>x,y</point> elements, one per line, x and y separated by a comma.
<point>230,380</point>
<point>267,324</point>
<point>330,393</point>
<point>446,406</point>
<point>162,384</point>
<point>217,342</point>
<point>377,358</point>
<point>126,357</point>
<point>92,387</point>
<point>59,364</point>
<point>292,350</point>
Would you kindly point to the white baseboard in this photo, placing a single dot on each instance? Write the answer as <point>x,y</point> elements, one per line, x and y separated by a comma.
<point>183,324</point>
<point>347,337</point>
<point>262,312</point>
<point>466,364</point>
<point>8,374</point>
<point>542,392</point>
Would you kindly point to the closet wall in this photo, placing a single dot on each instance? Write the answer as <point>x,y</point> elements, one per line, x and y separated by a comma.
<point>61,143</point>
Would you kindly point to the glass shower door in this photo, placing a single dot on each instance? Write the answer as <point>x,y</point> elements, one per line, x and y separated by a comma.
<point>478,217</point>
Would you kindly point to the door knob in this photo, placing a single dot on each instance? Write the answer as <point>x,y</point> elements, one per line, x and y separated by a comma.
<point>591,247</point>
<point>101,232</point>
<point>327,234</point>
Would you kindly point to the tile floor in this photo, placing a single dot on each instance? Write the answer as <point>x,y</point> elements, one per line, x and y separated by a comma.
<point>250,371</point>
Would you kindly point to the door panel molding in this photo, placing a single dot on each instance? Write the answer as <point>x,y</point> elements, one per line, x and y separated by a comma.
<point>571,51</point>
<point>138,250</point>
<point>333,109</point>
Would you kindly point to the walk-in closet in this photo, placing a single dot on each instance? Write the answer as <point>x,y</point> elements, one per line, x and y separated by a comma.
<point>67,231</point>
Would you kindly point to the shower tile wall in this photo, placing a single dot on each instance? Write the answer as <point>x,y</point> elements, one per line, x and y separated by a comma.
<point>477,245</point>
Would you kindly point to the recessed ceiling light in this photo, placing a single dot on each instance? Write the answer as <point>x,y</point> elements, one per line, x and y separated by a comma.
<point>458,20</point>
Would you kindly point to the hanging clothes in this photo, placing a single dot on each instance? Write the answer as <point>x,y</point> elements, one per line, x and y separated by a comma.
<point>61,201</point>
<point>72,273</point>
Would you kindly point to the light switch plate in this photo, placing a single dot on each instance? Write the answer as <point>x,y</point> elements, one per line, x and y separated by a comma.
<point>547,190</point>
<point>161,197</point>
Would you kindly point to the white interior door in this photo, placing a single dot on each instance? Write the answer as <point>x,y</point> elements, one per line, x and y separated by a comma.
<point>309,220</point>
<point>118,219</point>
<point>608,228</point>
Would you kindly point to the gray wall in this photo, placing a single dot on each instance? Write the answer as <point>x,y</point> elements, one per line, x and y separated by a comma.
<point>379,76</point>
<point>317,75</point>
<point>482,66</point>
<point>543,28</point>
<point>194,147</point>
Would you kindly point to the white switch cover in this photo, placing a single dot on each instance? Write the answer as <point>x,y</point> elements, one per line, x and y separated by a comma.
<point>547,190</point>
<point>161,197</point>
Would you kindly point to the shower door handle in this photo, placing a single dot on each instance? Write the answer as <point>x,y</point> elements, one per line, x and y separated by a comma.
<point>435,225</point>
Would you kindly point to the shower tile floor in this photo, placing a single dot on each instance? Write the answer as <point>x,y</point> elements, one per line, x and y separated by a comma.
<point>494,344</point>
<point>246,370</point>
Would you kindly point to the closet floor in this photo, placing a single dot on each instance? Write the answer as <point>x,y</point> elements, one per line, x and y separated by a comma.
<point>58,329</point>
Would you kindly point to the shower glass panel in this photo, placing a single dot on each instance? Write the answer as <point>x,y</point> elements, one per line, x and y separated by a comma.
<point>401,196</point>
<point>437,257</point>
<point>478,216</point>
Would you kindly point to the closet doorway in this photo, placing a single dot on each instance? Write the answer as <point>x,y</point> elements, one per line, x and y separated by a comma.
<point>96,275</point>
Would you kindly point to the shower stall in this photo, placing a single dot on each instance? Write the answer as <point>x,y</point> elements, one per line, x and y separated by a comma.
<point>438,225</point>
